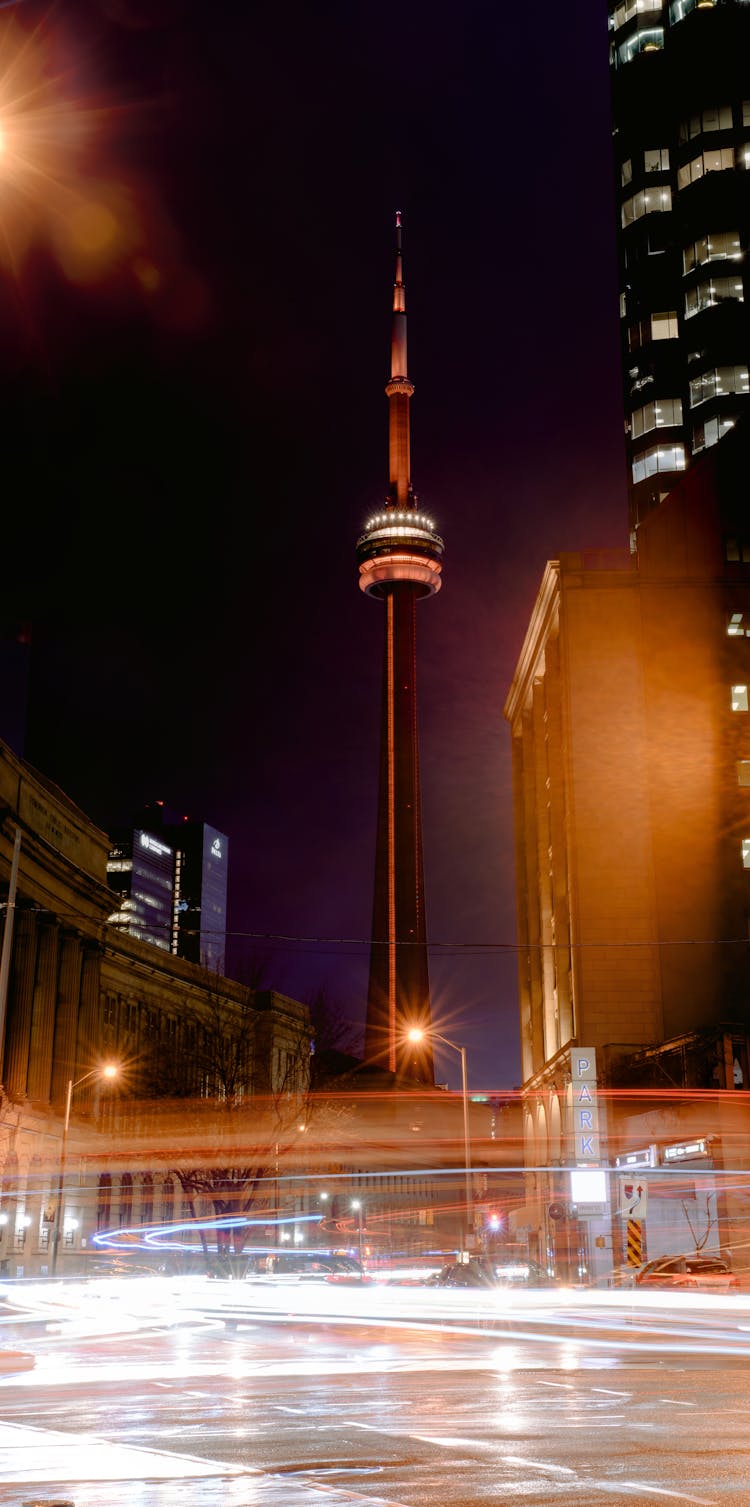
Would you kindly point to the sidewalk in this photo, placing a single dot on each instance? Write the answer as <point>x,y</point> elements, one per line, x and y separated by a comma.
<point>42,1466</point>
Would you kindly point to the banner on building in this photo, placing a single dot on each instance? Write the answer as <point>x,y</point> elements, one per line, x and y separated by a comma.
<point>585,1110</point>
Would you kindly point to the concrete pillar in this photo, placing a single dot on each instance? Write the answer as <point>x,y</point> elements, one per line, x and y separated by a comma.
<point>66,1023</point>
<point>20,1002</point>
<point>43,1014</point>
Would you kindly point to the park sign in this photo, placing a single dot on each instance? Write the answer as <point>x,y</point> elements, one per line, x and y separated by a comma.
<point>584,1104</point>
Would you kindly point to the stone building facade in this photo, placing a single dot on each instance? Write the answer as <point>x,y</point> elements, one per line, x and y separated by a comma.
<point>75,994</point>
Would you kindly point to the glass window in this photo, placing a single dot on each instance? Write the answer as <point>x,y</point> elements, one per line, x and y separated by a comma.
<point>626,172</point>
<point>737,626</point>
<point>658,458</point>
<point>647,202</point>
<point>679,9</point>
<point>714,118</point>
<point>718,382</point>
<point>623,305</point>
<point>660,414</point>
<point>650,39</point>
<point>710,432</point>
<point>712,247</point>
<point>657,327</point>
<point>656,160</point>
<point>746,852</point>
<point>739,698</point>
<point>627,9</point>
<point>743,771</point>
<point>712,291</point>
<point>664,326</point>
<point>717,160</point>
<point>737,549</point>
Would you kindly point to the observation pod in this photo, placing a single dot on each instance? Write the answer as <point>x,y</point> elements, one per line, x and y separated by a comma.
<point>399,544</point>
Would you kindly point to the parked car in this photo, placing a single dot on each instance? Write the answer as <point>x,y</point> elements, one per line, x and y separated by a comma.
<point>486,1272</point>
<point>704,1273</point>
<point>304,1266</point>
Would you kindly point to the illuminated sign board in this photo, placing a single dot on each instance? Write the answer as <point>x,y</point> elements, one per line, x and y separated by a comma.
<point>646,1158</point>
<point>153,845</point>
<point>685,1149</point>
<point>585,1111</point>
<point>588,1188</point>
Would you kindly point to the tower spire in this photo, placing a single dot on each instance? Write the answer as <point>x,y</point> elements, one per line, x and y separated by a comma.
<point>399,391</point>
<point>399,557</point>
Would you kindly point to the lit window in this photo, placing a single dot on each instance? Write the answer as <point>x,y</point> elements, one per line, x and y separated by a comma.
<point>743,771</point>
<point>626,172</point>
<point>656,160</point>
<point>718,160</point>
<point>647,201</point>
<point>715,118</point>
<point>661,326</point>
<point>712,291</point>
<point>661,414</point>
<point>736,626</point>
<point>746,112</point>
<point>627,9</point>
<point>737,549</point>
<point>664,326</point>
<point>739,698</point>
<point>718,382</point>
<point>623,305</point>
<point>679,9</point>
<point>658,458</point>
<point>716,246</point>
<point>711,431</point>
<point>746,852</point>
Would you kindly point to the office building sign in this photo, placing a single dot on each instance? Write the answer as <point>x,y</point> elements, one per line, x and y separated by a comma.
<point>584,1104</point>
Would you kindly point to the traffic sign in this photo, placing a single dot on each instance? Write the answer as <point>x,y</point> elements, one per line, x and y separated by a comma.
<point>633,1197</point>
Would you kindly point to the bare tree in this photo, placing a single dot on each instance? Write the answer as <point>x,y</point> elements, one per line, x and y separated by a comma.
<point>699,1242</point>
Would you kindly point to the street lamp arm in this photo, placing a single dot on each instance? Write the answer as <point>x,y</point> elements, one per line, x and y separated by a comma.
<point>110,1071</point>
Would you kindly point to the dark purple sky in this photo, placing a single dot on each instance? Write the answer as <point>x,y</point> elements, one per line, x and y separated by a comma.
<point>195,437</point>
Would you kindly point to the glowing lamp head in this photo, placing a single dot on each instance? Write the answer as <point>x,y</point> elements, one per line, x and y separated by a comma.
<point>110,1070</point>
<point>416,1034</point>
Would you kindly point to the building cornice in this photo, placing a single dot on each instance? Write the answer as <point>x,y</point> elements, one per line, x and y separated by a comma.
<point>531,659</point>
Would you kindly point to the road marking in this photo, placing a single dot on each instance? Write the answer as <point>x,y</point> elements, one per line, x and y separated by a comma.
<point>560,1470</point>
<point>566,1385</point>
<point>610,1392</point>
<point>677,1402</point>
<point>660,1491</point>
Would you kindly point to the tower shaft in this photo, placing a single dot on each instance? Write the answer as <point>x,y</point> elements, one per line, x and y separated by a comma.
<point>399,990</point>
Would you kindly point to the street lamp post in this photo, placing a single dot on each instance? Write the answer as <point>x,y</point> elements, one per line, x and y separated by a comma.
<point>109,1071</point>
<point>356,1204</point>
<point>417,1034</point>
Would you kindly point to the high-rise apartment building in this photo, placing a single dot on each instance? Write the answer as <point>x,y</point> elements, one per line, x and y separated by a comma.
<point>680,86</point>
<point>171,877</point>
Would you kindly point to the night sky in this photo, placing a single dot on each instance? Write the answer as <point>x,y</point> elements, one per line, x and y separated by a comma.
<point>195,316</point>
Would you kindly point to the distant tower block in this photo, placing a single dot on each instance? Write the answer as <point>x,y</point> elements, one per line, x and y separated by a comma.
<point>399,557</point>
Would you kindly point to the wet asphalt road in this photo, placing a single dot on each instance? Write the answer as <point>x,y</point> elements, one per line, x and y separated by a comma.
<point>290,1416</point>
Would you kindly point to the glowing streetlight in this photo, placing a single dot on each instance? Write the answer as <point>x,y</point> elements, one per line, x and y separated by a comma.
<point>109,1070</point>
<point>417,1034</point>
<point>357,1206</point>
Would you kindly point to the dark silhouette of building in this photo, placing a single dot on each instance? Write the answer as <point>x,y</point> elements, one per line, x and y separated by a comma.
<point>15,660</point>
<point>681,135</point>
<point>399,557</point>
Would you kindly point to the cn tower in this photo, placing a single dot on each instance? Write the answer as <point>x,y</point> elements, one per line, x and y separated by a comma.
<point>399,557</point>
